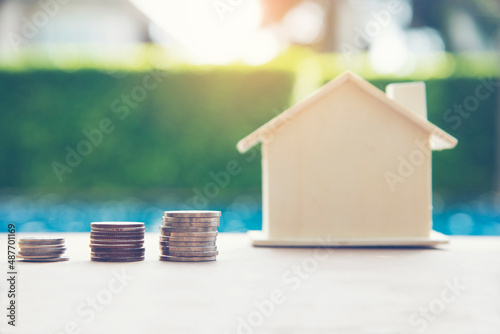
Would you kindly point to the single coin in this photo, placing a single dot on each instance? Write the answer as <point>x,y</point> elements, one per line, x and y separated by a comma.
<point>121,230</point>
<point>37,252</point>
<point>58,259</point>
<point>125,259</point>
<point>42,249</point>
<point>186,259</point>
<point>188,229</point>
<point>118,249</point>
<point>115,249</point>
<point>117,241</point>
<point>38,256</point>
<point>40,241</point>
<point>120,256</point>
<point>188,239</point>
<point>118,233</point>
<point>187,244</point>
<point>200,254</point>
<point>116,255</point>
<point>110,244</point>
<point>29,245</point>
<point>118,245</point>
<point>107,225</point>
<point>129,237</point>
<point>189,234</point>
<point>188,249</point>
<point>110,227</point>
<point>175,238</point>
<point>48,254</point>
<point>190,219</point>
<point>193,214</point>
<point>44,254</point>
<point>189,225</point>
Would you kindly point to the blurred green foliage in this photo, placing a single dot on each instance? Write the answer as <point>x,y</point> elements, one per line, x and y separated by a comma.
<point>188,127</point>
<point>185,128</point>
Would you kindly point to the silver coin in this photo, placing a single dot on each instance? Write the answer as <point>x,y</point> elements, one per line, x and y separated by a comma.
<point>29,254</point>
<point>123,256</point>
<point>115,249</point>
<point>42,250</point>
<point>193,214</point>
<point>117,233</point>
<point>122,230</point>
<point>117,238</point>
<point>115,241</point>
<point>202,234</point>
<point>48,254</point>
<point>117,255</point>
<point>40,241</point>
<point>190,225</point>
<point>190,219</point>
<point>118,245</point>
<point>42,256</point>
<point>58,259</point>
<point>41,247</point>
<point>188,249</point>
<point>117,229</point>
<point>187,244</point>
<point>188,254</point>
<point>124,259</point>
<point>189,234</point>
<point>186,259</point>
<point>187,229</point>
<point>188,239</point>
<point>107,225</point>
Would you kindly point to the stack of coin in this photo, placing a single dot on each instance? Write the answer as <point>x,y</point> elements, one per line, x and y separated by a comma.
<point>117,241</point>
<point>40,249</point>
<point>189,236</point>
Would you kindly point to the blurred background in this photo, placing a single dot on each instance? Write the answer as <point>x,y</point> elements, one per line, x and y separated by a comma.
<point>121,109</point>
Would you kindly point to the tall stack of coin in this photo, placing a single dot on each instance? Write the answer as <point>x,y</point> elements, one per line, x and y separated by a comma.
<point>117,241</point>
<point>41,249</point>
<point>189,236</point>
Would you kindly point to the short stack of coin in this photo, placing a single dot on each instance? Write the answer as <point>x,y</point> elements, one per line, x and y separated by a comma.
<point>189,236</point>
<point>117,241</point>
<point>41,249</point>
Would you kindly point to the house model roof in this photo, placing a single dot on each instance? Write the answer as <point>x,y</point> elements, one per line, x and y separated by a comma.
<point>439,139</point>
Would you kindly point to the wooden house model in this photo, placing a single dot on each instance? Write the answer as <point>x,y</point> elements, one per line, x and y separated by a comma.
<point>349,166</point>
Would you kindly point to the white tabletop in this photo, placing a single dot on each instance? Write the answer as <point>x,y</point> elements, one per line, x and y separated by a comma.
<point>455,289</point>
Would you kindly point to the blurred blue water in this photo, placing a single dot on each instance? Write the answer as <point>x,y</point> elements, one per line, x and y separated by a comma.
<point>243,214</point>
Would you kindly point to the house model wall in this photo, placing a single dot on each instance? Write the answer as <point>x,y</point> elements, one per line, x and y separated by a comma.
<point>349,165</point>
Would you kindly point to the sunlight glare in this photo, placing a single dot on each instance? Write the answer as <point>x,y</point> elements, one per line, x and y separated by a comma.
<point>209,36</point>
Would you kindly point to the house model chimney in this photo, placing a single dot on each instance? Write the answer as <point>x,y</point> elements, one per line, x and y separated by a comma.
<point>409,94</point>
